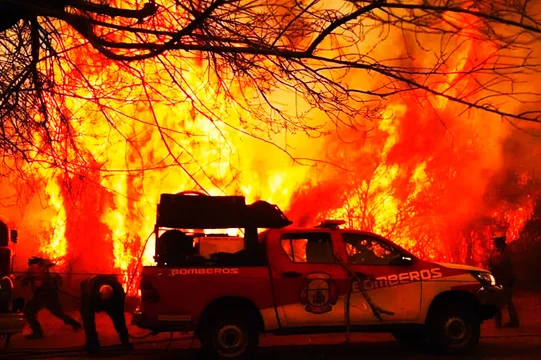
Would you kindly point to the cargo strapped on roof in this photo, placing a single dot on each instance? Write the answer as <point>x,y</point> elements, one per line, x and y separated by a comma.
<point>191,210</point>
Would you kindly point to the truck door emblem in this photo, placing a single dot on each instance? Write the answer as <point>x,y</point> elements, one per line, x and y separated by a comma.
<point>318,292</point>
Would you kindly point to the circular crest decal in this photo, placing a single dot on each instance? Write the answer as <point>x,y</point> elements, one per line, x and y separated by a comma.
<point>318,292</point>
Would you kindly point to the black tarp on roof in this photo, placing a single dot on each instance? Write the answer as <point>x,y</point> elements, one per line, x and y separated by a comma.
<point>199,211</point>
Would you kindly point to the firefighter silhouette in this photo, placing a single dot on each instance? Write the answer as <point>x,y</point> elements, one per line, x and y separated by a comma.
<point>318,292</point>
<point>45,289</point>
<point>502,268</point>
<point>103,293</point>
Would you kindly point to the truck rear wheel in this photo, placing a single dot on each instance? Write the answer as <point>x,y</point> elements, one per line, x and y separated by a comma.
<point>230,336</point>
<point>454,329</point>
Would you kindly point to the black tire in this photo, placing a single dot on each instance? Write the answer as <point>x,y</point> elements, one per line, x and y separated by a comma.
<point>413,338</point>
<point>454,329</point>
<point>230,335</point>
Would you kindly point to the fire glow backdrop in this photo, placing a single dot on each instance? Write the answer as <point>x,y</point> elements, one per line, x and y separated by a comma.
<point>421,169</point>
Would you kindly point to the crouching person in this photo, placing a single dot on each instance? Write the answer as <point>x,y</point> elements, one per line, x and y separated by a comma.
<point>103,293</point>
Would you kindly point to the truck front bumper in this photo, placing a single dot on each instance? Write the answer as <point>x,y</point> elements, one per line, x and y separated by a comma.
<point>11,323</point>
<point>492,300</point>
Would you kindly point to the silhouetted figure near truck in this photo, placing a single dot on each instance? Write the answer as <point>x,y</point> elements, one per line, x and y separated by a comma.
<point>45,295</point>
<point>502,269</point>
<point>103,293</point>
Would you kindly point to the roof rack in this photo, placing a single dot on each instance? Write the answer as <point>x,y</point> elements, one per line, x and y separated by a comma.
<point>331,224</point>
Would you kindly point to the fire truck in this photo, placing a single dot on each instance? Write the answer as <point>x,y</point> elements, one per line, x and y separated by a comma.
<point>283,280</point>
<point>11,316</point>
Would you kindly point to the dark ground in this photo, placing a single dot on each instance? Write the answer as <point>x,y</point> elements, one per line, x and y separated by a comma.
<point>61,342</point>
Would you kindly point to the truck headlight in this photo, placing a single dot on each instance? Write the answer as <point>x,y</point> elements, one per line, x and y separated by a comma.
<point>485,278</point>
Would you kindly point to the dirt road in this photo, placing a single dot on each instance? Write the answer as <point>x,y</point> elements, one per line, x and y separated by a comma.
<point>501,347</point>
<point>61,342</point>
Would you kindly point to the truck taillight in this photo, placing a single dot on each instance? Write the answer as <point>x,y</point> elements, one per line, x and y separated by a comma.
<point>148,293</point>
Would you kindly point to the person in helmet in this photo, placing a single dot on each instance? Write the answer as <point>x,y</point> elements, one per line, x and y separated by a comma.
<point>501,267</point>
<point>103,293</point>
<point>44,288</point>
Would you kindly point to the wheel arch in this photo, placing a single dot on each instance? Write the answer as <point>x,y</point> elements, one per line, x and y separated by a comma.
<point>454,297</point>
<point>229,303</point>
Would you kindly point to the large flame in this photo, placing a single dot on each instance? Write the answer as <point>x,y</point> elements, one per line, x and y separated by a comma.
<point>417,174</point>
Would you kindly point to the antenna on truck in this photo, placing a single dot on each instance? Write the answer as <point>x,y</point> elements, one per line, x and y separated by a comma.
<point>331,224</point>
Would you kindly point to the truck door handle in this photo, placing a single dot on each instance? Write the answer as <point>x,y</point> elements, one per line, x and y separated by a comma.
<point>291,274</point>
<point>362,276</point>
<point>358,274</point>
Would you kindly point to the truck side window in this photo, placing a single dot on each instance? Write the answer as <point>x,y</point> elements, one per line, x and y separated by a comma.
<point>367,250</point>
<point>311,248</point>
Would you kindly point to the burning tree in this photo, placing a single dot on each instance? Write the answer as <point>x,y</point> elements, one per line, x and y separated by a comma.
<point>311,48</point>
<point>132,99</point>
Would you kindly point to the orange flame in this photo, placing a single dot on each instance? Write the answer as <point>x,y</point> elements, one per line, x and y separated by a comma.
<point>417,177</point>
<point>56,248</point>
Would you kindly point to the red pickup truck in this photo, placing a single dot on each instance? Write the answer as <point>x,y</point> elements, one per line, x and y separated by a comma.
<point>288,280</point>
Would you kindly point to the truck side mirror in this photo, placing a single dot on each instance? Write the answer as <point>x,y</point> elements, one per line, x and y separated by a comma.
<point>406,260</point>
<point>13,236</point>
<point>402,260</point>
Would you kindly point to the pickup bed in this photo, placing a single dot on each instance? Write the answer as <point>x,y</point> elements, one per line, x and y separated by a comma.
<point>320,279</point>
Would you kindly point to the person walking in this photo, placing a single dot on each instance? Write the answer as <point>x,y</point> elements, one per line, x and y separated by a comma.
<point>502,268</point>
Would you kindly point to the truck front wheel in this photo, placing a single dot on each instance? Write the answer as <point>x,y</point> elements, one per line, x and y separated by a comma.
<point>230,336</point>
<point>454,329</point>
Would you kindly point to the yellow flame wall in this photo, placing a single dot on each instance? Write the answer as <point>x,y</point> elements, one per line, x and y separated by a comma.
<point>145,133</point>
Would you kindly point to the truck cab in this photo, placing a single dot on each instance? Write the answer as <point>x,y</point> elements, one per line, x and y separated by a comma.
<point>289,280</point>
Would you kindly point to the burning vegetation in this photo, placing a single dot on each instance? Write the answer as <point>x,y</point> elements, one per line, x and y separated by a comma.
<point>412,119</point>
